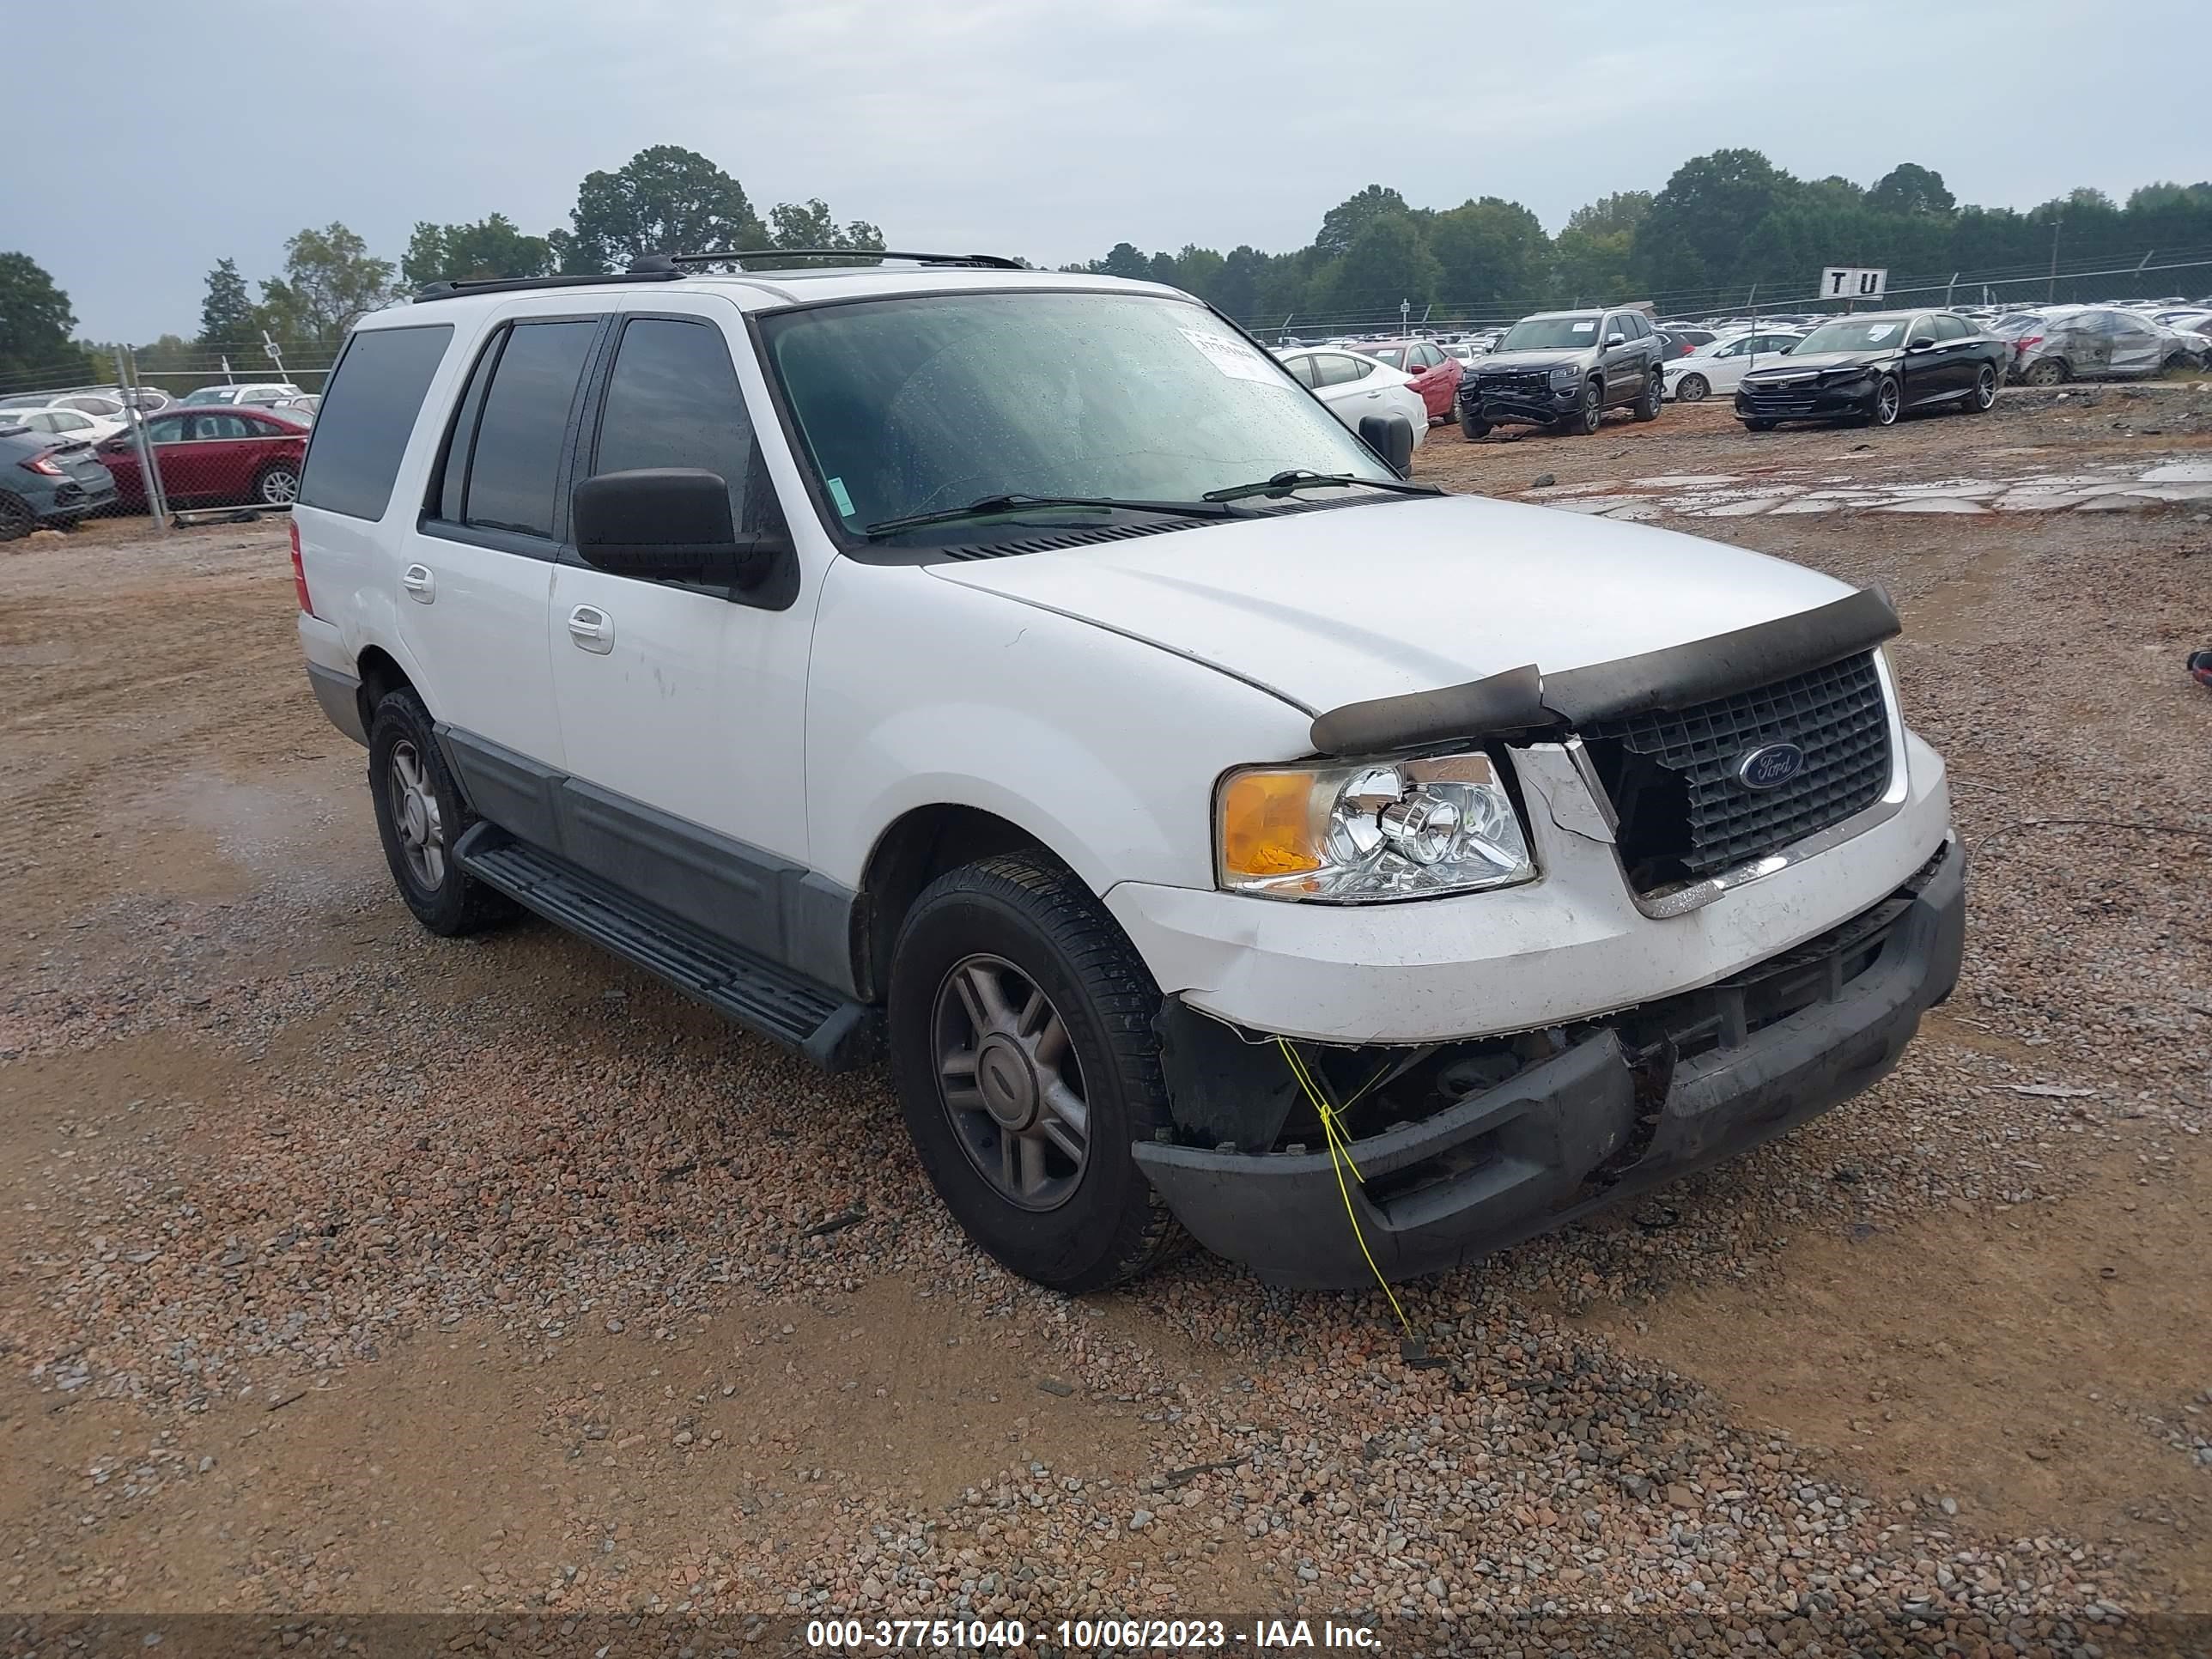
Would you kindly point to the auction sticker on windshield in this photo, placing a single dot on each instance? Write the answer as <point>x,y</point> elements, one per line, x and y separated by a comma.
<point>1877,332</point>
<point>1233,357</point>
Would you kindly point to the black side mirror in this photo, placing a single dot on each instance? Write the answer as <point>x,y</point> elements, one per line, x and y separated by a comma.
<point>1920,345</point>
<point>1390,436</point>
<point>669,523</point>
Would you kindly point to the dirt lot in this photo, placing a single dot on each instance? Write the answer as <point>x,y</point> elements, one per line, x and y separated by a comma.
<point>351,1270</point>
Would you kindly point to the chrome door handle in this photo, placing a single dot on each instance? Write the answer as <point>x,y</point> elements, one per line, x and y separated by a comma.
<point>422,587</point>
<point>592,629</point>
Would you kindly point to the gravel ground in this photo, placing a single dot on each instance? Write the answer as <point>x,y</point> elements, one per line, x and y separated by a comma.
<point>350,1270</point>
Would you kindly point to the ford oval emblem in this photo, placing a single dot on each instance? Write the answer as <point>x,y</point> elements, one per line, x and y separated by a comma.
<point>1770,766</point>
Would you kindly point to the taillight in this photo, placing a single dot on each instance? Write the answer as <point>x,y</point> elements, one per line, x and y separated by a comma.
<point>2027,340</point>
<point>44,463</point>
<point>299,572</point>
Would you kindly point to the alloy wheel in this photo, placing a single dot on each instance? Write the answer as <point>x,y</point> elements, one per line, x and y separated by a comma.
<point>279,486</point>
<point>1011,1083</point>
<point>1886,404</point>
<point>1985,387</point>
<point>414,815</point>
<point>1691,389</point>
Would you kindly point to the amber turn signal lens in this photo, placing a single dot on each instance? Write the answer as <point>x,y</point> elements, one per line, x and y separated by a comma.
<point>1267,825</point>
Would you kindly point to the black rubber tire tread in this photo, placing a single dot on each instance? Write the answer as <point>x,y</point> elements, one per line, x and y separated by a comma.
<point>461,904</point>
<point>1474,431</point>
<point>1031,892</point>
<point>1758,426</point>
<point>17,519</point>
<point>1646,406</point>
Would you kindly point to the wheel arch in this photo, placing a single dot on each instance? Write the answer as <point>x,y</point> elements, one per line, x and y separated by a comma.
<point>913,850</point>
<point>381,675</point>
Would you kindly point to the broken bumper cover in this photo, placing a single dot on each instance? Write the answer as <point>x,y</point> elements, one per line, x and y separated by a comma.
<point>1499,406</point>
<point>1525,1157</point>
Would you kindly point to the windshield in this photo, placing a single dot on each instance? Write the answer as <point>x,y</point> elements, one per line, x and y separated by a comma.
<point>920,403</point>
<point>1551,333</point>
<point>1854,334</point>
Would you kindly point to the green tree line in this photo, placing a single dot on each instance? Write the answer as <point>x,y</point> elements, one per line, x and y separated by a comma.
<point>1724,223</point>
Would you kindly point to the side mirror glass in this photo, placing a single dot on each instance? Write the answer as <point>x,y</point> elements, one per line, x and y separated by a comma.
<point>1390,436</point>
<point>668,523</point>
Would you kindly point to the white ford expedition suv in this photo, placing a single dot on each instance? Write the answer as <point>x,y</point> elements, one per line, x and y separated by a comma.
<point>1020,677</point>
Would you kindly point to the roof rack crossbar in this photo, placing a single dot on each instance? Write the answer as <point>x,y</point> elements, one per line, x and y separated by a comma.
<point>651,263</point>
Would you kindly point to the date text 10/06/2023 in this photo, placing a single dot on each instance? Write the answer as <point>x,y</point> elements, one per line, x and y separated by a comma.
<point>1085,1634</point>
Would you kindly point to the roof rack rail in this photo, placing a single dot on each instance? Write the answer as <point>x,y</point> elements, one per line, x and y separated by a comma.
<point>454,290</point>
<point>654,264</point>
<point>668,267</point>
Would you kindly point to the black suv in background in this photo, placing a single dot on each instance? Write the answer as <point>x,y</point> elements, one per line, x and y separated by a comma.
<point>1564,369</point>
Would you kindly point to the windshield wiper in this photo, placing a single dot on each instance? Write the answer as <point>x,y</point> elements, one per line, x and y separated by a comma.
<point>990,506</point>
<point>1297,478</point>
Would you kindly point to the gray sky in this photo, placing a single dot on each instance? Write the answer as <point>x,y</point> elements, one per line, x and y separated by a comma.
<point>1047,128</point>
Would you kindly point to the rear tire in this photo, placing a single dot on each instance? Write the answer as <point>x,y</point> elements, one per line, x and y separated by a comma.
<point>2047,371</point>
<point>1646,408</point>
<point>1010,973</point>
<point>17,519</point>
<point>277,484</point>
<point>420,815</point>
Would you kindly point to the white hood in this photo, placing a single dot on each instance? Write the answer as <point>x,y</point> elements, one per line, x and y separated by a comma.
<point>1332,607</point>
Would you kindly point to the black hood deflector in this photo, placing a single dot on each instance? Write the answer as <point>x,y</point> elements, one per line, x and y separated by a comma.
<point>1526,700</point>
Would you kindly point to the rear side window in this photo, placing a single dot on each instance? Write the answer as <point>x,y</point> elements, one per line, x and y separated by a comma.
<point>1304,370</point>
<point>515,466</point>
<point>672,400</point>
<point>367,414</point>
<point>1341,370</point>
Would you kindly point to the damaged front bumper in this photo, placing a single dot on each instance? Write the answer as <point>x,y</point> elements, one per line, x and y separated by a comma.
<point>1620,1105</point>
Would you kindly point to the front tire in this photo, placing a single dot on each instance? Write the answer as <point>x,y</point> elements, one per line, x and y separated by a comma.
<point>1023,1049</point>
<point>420,815</point>
<point>1584,422</point>
<point>1692,389</point>
<point>1758,426</point>
<point>1985,395</point>
<point>1888,401</point>
<point>1646,407</point>
<point>1472,428</point>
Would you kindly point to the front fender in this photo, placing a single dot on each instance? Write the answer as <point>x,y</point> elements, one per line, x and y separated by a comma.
<point>922,692</point>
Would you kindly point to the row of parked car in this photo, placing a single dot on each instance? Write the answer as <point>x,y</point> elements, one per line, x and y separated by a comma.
<point>66,456</point>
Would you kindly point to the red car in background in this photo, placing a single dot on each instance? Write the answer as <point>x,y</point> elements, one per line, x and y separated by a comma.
<point>1436,375</point>
<point>213,455</point>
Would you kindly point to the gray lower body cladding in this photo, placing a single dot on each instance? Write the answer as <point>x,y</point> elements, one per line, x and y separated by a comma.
<point>1597,1122</point>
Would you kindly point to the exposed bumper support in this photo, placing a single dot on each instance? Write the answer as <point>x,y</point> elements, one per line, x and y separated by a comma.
<point>1532,1154</point>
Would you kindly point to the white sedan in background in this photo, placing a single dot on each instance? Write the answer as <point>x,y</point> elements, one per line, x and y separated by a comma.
<point>68,426</point>
<point>1718,365</point>
<point>1354,386</point>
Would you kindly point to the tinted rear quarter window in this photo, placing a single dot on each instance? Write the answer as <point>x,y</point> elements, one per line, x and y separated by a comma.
<point>366,416</point>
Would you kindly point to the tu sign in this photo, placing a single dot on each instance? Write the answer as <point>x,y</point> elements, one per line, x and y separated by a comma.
<point>1853,283</point>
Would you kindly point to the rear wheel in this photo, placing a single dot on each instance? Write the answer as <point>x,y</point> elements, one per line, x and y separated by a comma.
<point>17,519</point>
<point>1985,389</point>
<point>2047,371</point>
<point>278,484</point>
<point>1646,407</point>
<point>420,815</point>
<point>1023,1049</point>
<point>1692,389</point>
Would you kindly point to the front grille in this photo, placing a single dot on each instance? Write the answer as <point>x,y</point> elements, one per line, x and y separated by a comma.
<point>1532,383</point>
<point>1672,776</point>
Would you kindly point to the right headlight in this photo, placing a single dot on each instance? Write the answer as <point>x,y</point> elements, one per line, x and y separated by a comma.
<point>1566,378</point>
<point>1368,833</point>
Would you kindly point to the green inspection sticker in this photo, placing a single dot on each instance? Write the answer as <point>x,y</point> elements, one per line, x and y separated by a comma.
<point>838,495</point>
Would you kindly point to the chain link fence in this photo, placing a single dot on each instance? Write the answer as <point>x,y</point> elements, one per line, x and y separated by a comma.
<point>2186,275</point>
<point>218,429</point>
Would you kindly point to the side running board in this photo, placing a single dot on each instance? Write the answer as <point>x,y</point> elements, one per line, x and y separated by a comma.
<point>800,1013</point>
